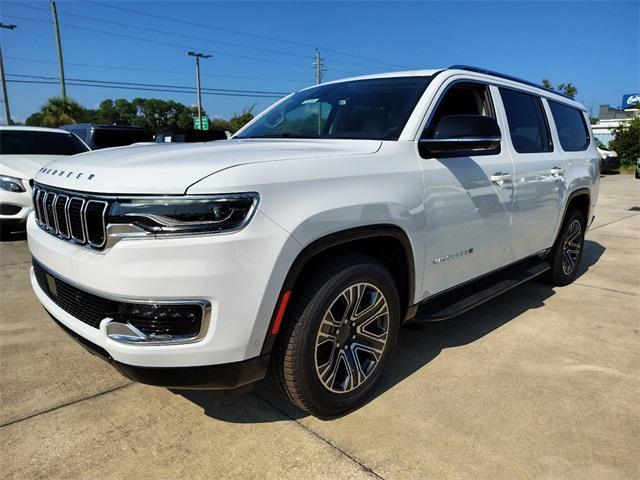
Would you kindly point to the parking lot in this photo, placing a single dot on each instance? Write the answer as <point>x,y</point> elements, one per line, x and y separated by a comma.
<point>538,383</point>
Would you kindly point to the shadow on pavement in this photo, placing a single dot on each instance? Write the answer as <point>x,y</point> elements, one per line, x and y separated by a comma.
<point>417,346</point>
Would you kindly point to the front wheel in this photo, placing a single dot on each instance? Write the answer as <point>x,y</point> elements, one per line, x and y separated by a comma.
<point>342,329</point>
<point>567,252</point>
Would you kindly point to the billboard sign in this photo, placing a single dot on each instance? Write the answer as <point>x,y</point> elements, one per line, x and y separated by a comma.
<point>631,100</point>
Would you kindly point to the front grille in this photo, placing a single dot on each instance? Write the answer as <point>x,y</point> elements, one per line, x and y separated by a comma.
<point>71,216</point>
<point>152,319</point>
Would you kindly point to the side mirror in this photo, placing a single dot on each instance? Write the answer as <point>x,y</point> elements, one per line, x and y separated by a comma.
<point>463,135</point>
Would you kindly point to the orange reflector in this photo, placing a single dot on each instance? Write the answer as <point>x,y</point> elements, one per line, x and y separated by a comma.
<point>281,309</point>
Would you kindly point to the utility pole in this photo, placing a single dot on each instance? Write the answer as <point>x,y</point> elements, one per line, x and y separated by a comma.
<point>320,71</point>
<point>54,12</point>
<point>5,97</point>
<point>198,56</point>
<point>320,68</point>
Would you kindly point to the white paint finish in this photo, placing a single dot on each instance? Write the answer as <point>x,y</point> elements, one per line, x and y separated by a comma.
<point>172,168</point>
<point>230,271</point>
<point>308,189</point>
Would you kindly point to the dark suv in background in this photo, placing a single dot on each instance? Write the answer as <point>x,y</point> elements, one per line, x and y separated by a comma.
<point>105,136</point>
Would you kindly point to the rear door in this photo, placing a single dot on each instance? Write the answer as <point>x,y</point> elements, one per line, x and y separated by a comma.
<point>539,172</point>
<point>468,200</point>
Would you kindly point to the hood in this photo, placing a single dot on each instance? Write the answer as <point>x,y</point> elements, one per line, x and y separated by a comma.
<point>24,166</point>
<point>172,168</point>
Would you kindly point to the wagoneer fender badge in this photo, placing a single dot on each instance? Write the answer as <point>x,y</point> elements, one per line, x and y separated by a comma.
<point>446,258</point>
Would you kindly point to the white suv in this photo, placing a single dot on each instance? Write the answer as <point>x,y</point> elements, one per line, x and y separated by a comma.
<point>303,243</point>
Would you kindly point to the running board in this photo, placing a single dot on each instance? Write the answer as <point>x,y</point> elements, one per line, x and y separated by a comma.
<point>471,294</point>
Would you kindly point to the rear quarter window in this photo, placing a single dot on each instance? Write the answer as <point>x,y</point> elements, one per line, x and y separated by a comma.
<point>571,126</point>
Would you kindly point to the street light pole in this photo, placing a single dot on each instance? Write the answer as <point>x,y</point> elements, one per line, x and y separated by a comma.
<point>198,56</point>
<point>5,97</point>
<point>54,12</point>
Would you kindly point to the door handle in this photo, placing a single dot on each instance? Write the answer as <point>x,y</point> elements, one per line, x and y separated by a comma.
<point>500,177</point>
<point>557,171</point>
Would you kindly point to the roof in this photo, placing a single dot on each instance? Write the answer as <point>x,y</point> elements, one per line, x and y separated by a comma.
<point>466,69</point>
<point>33,129</point>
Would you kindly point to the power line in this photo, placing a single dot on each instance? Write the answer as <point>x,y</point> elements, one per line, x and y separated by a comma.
<point>174,45</point>
<point>147,89</point>
<point>187,89</point>
<point>238,32</point>
<point>192,37</point>
<point>150,70</point>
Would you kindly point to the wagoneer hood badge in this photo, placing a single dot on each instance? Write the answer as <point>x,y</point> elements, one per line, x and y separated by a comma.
<point>66,173</point>
<point>171,169</point>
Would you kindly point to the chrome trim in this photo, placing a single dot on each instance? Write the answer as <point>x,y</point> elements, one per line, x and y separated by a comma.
<point>73,237</point>
<point>50,227</point>
<point>127,333</point>
<point>35,198</point>
<point>204,304</point>
<point>460,140</point>
<point>66,217</point>
<point>102,216</point>
<point>115,232</point>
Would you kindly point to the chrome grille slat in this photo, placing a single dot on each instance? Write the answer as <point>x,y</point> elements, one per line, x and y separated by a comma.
<point>71,216</point>
<point>61,216</point>
<point>74,228</point>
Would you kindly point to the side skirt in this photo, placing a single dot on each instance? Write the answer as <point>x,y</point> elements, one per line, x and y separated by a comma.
<point>453,302</point>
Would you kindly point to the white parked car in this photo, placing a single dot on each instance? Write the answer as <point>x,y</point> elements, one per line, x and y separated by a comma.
<point>23,151</point>
<point>304,242</point>
<point>610,160</point>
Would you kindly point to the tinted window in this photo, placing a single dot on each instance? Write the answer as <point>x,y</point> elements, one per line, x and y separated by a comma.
<point>527,123</point>
<point>368,109</point>
<point>571,127</point>
<point>25,142</point>
<point>462,99</point>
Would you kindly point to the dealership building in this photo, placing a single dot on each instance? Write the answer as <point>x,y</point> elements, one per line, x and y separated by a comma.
<point>610,118</point>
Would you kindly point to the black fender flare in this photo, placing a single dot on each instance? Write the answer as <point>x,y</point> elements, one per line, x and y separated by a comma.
<point>331,240</point>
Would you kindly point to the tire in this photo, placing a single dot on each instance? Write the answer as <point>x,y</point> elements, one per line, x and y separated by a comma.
<point>313,353</point>
<point>567,252</point>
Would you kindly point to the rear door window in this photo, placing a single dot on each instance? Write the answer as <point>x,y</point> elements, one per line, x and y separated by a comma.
<point>527,122</point>
<point>572,129</point>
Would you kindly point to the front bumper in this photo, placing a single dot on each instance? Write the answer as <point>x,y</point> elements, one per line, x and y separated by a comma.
<point>214,377</point>
<point>239,275</point>
<point>15,206</point>
<point>610,163</point>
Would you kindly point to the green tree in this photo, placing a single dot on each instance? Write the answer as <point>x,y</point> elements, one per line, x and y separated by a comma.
<point>569,89</point>
<point>240,120</point>
<point>58,111</point>
<point>34,120</point>
<point>626,142</point>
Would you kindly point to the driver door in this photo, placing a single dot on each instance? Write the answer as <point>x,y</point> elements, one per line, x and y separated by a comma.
<point>468,199</point>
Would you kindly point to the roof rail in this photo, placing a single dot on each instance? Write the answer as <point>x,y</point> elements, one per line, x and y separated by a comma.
<point>507,77</point>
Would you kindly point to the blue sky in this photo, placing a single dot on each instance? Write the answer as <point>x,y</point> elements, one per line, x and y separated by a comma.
<point>594,45</point>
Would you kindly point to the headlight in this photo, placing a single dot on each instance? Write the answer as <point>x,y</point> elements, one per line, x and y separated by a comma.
<point>604,155</point>
<point>185,215</point>
<point>11,184</point>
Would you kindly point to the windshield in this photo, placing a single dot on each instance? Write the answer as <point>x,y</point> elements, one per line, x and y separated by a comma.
<point>28,142</point>
<point>601,145</point>
<point>375,109</point>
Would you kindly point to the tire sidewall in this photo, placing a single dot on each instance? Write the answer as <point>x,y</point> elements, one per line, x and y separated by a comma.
<point>313,388</point>
<point>560,277</point>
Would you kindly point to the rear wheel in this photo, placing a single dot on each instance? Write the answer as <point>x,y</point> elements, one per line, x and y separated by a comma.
<point>342,329</point>
<point>567,252</point>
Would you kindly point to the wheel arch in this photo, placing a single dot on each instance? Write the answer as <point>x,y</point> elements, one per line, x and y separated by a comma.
<point>385,242</point>
<point>580,199</point>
